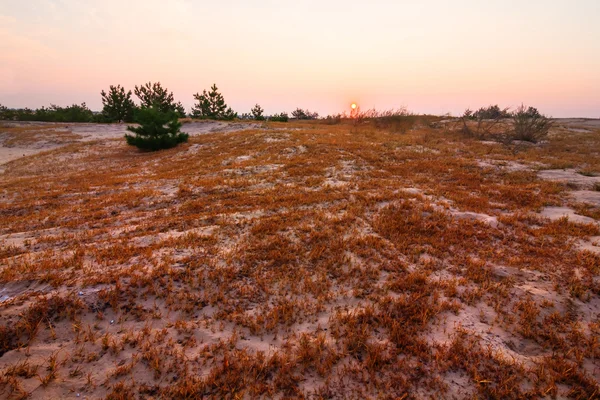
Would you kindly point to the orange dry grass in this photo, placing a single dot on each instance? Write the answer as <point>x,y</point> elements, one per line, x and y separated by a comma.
<point>296,260</point>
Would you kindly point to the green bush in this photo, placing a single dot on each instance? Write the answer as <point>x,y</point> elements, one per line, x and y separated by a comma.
<point>490,112</point>
<point>154,95</point>
<point>283,117</point>
<point>54,113</point>
<point>257,113</point>
<point>529,125</point>
<point>158,130</point>
<point>333,119</point>
<point>117,105</point>
<point>211,105</point>
<point>299,113</point>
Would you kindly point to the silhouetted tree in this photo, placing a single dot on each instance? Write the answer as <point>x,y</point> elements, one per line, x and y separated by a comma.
<point>117,104</point>
<point>211,105</point>
<point>283,117</point>
<point>299,113</point>
<point>154,95</point>
<point>257,113</point>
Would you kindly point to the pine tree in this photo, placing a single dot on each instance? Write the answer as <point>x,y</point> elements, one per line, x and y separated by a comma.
<point>154,95</point>
<point>118,106</point>
<point>157,130</point>
<point>257,113</point>
<point>211,105</point>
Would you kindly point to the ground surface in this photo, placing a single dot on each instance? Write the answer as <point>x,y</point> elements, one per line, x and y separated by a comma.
<point>290,260</point>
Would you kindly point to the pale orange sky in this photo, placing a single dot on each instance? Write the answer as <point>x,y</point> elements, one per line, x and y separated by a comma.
<point>433,56</point>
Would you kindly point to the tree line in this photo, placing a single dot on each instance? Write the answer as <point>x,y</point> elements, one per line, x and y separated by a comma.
<point>119,106</point>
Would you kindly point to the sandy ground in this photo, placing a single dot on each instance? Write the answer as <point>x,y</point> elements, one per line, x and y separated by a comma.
<point>90,132</point>
<point>298,261</point>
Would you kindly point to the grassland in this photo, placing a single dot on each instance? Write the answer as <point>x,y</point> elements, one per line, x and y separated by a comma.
<point>301,260</point>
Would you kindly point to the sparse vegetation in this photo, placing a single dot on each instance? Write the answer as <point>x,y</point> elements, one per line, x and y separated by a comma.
<point>301,114</point>
<point>298,260</point>
<point>488,123</point>
<point>281,117</point>
<point>54,113</point>
<point>529,125</point>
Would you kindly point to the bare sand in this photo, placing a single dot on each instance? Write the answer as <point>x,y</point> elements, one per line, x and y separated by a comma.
<point>46,138</point>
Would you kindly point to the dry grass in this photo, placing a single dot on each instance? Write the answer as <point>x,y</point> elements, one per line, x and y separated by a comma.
<point>298,260</point>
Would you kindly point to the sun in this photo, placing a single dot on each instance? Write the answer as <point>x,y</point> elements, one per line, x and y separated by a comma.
<point>353,106</point>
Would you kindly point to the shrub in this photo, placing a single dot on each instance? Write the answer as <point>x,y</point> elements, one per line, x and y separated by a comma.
<point>299,113</point>
<point>491,112</point>
<point>529,125</point>
<point>5,113</point>
<point>117,105</point>
<point>154,95</point>
<point>283,117</point>
<point>257,113</point>
<point>211,105</point>
<point>333,119</point>
<point>487,121</point>
<point>397,121</point>
<point>157,130</point>
<point>54,113</point>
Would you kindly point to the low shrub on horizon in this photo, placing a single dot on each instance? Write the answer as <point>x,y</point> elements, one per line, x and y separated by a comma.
<point>283,117</point>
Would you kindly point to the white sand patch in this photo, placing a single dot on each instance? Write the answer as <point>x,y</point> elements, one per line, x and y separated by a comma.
<point>8,154</point>
<point>412,190</point>
<point>555,213</point>
<point>579,123</point>
<point>150,239</point>
<point>570,176</point>
<point>511,166</point>
<point>295,150</point>
<point>478,321</point>
<point>488,142</point>
<point>419,149</point>
<point>592,244</point>
<point>487,219</point>
<point>90,132</point>
<point>334,183</point>
<point>244,216</point>
<point>586,196</point>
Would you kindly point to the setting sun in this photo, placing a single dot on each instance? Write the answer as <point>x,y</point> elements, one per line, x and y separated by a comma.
<point>353,106</point>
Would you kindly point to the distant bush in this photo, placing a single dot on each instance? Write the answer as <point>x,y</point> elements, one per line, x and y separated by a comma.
<point>257,113</point>
<point>154,95</point>
<point>396,121</point>
<point>54,113</point>
<point>529,125</point>
<point>117,105</point>
<point>332,119</point>
<point>5,113</point>
<point>490,112</point>
<point>525,124</point>
<point>479,126</point>
<point>211,105</point>
<point>283,117</point>
<point>299,113</point>
<point>158,130</point>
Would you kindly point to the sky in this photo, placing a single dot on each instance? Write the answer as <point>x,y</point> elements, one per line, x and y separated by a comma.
<point>430,56</point>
